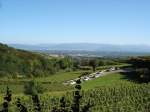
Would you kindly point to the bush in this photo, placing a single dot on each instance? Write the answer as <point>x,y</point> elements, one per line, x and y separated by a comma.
<point>3,74</point>
<point>33,88</point>
<point>85,68</point>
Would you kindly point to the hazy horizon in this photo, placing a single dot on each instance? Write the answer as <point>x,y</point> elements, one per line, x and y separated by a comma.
<point>74,43</point>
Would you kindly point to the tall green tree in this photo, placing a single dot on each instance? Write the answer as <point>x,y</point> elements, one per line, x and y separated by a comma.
<point>93,63</point>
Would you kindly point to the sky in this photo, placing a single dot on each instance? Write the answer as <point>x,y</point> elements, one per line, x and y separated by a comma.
<point>75,21</point>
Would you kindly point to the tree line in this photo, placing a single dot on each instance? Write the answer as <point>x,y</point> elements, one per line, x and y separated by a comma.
<point>141,66</point>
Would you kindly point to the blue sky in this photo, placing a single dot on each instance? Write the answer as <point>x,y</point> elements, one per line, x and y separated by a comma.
<point>75,21</point>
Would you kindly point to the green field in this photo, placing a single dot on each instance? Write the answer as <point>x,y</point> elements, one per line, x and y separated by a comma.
<point>53,83</point>
<point>111,80</point>
<point>108,93</point>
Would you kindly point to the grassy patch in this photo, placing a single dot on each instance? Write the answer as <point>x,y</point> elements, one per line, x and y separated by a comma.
<point>60,77</point>
<point>115,79</point>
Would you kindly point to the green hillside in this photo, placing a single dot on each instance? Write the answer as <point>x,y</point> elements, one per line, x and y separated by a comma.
<point>20,63</point>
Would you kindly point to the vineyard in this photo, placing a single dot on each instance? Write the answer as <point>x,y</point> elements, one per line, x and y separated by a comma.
<point>122,98</point>
<point>74,55</point>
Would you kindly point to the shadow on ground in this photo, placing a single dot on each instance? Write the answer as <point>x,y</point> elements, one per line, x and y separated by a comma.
<point>131,76</point>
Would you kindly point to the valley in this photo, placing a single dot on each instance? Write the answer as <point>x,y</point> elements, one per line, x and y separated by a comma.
<point>104,81</point>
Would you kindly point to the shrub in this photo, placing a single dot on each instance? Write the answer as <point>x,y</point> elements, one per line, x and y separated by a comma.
<point>33,88</point>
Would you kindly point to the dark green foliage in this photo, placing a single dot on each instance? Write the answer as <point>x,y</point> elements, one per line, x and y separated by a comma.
<point>33,88</point>
<point>143,74</point>
<point>17,63</point>
<point>76,100</point>
<point>86,107</point>
<point>140,62</point>
<point>36,102</point>
<point>142,66</point>
<point>79,62</point>
<point>65,63</point>
<point>7,100</point>
<point>20,63</point>
<point>63,104</point>
<point>123,98</point>
<point>85,68</point>
<point>76,64</point>
<point>8,95</point>
<point>93,63</point>
<point>54,109</point>
<point>20,107</point>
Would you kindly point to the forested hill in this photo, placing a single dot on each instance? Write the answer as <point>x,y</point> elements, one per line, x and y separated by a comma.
<point>20,63</point>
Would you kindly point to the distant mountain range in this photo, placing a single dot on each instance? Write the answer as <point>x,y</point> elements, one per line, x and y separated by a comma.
<point>85,47</point>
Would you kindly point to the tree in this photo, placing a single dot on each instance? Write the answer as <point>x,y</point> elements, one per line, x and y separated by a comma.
<point>21,107</point>
<point>66,63</point>
<point>7,100</point>
<point>33,88</point>
<point>36,102</point>
<point>144,74</point>
<point>142,66</point>
<point>93,63</point>
<point>63,104</point>
<point>76,100</point>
